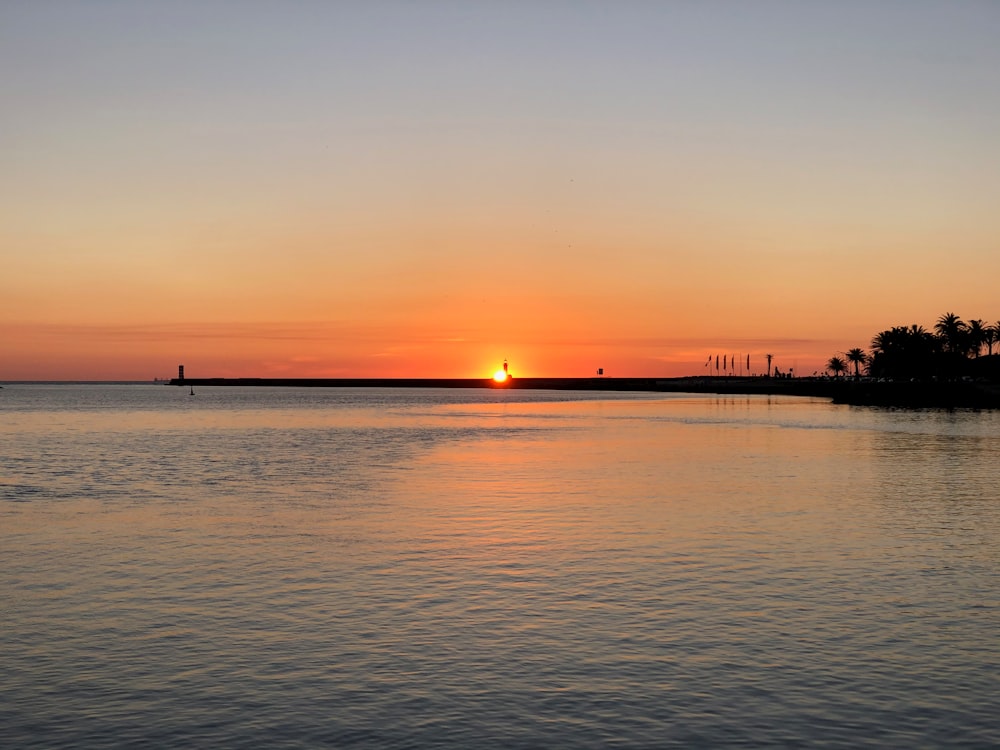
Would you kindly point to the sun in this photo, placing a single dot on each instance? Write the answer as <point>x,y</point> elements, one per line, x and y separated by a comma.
<point>500,376</point>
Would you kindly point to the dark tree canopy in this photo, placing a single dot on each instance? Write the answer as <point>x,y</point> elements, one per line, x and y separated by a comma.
<point>952,349</point>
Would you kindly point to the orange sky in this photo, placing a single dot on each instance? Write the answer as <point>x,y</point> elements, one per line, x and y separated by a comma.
<point>387,191</point>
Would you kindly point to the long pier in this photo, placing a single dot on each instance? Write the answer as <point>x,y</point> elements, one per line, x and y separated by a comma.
<point>677,385</point>
<point>907,394</point>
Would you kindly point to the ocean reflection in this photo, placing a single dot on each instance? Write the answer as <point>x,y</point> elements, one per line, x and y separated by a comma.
<point>321,569</point>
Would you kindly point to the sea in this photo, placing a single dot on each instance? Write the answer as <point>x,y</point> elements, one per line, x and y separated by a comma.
<point>431,568</point>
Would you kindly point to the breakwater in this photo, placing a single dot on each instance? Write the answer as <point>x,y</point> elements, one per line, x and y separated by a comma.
<point>702,385</point>
<point>867,392</point>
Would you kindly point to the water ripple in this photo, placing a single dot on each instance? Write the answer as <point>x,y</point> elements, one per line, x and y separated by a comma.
<point>319,571</point>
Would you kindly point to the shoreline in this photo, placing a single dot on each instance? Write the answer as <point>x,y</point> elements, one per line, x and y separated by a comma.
<point>860,392</point>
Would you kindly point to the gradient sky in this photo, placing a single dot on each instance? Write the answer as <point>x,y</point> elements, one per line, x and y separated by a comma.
<point>425,188</point>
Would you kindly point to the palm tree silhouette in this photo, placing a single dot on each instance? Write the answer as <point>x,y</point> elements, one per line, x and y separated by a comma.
<point>912,351</point>
<point>976,333</point>
<point>952,329</point>
<point>858,357</point>
<point>769,356</point>
<point>836,365</point>
<point>903,351</point>
<point>992,337</point>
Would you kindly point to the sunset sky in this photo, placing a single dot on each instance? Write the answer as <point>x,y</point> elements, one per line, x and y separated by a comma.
<point>353,189</point>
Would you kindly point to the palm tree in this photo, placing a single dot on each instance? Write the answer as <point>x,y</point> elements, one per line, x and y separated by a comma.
<point>836,365</point>
<point>858,357</point>
<point>952,329</point>
<point>904,352</point>
<point>769,357</point>
<point>991,337</point>
<point>976,333</point>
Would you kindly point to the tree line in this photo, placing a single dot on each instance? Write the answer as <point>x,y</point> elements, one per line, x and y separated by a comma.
<point>952,349</point>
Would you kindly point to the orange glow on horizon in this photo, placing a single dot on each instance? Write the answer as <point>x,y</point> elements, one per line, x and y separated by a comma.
<point>140,351</point>
<point>500,376</point>
<point>355,235</point>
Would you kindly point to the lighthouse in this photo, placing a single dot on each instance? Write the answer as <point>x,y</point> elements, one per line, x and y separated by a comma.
<point>502,376</point>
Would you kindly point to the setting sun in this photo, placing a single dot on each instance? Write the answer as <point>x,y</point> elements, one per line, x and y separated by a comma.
<point>500,376</point>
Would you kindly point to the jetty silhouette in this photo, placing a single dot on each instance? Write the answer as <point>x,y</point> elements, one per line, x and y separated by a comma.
<point>869,392</point>
<point>909,366</point>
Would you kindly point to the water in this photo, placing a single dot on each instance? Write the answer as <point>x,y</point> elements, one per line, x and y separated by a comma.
<point>450,569</point>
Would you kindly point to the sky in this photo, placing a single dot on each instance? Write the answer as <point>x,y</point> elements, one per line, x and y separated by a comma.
<point>423,189</point>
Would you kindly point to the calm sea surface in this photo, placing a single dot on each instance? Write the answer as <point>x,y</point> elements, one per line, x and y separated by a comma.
<point>301,568</point>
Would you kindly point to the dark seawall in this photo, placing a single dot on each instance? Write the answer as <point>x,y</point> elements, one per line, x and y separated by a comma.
<point>862,392</point>
<point>705,385</point>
